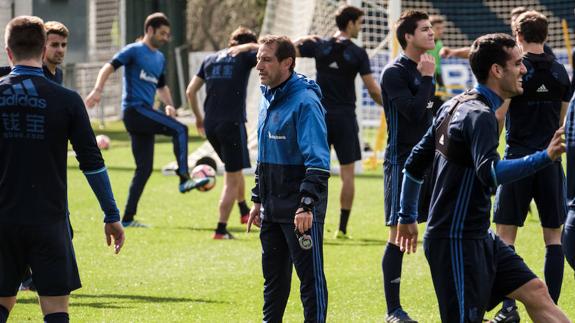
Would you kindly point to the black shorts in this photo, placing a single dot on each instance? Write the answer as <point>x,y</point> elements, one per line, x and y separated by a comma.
<point>392,181</point>
<point>230,141</point>
<point>47,250</point>
<point>343,135</point>
<point>546,187</point>
<point>471,277</point>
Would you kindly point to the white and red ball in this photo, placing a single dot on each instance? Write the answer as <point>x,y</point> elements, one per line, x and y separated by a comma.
<point>103,142</point>
<point>205,171</point>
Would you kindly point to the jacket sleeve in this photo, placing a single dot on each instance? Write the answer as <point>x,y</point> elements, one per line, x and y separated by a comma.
<point>91,161</point>
<point>412,107</point>
<point>480,131</point>
<point>422,155</point>
<point>256,190</point>
<point>312,142</point>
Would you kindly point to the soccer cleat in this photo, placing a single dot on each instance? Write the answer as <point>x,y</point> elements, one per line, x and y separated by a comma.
<point>399,316</point>
<point>27,285</point>
<point>222,236</point>
<point>507,315</point>
<point>342,236</point>
<point>191,184</point>
<point>134,224</point>
<point>244,218</point>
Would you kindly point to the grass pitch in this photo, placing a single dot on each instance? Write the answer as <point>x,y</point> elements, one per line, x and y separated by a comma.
<point>175,272</point>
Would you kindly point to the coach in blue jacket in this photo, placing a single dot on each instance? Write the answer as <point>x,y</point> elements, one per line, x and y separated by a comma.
<point>290,196</point>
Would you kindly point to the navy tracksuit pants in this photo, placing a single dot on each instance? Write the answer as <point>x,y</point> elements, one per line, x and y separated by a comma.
<point>143,123</point>
<point>281,250</point>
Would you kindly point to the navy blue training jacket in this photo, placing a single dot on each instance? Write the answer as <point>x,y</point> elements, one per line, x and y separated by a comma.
<point>293,154</point>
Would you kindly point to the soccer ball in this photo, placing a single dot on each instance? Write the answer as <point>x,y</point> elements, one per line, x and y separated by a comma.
<point>103,142</point>
<point>202,171</point>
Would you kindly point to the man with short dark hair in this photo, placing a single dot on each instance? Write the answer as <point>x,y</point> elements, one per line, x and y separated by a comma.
<point>38,118</point>
<point>56,47</point>
<point>407,88</point>
<point>226,77</point>
<point>471,268</point>
<point>338,61</point>
<point>143,77</point>
<point>532,118</point>
<point>291,182</point>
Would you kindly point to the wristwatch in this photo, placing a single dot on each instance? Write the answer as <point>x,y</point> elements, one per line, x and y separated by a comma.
<point>306,203</point>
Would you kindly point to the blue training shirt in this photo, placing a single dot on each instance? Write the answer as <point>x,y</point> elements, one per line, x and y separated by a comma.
<point>144,73</point>
<point>534,116</point>
<point>226,79</point>
<point>338,61</point>
<point>461,199</point>
<point>38,117</point>
<point>407,102</point>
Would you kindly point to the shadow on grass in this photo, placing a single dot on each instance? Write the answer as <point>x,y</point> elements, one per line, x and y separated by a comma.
<point>120,135</point>
<point>113,303</point>
<point>354,242</point>
<point>211,229</point>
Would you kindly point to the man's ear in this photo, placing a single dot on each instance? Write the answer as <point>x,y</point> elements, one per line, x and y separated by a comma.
<point>496,70</point>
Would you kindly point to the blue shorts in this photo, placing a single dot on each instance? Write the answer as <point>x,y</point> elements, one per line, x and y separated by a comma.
<point>230,141</point>
<point>392,181</point>
<point>47,250</point>
<point>546,187</point>
<point>343,135</point>
<point>471,277</point>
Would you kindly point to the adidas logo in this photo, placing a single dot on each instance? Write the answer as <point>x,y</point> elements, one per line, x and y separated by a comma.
<point>441,141</point>
<point>22,94</point>
<point>396,281</point>
<point>429,105</point>
<point>542,89</point>
<point>334,65</point>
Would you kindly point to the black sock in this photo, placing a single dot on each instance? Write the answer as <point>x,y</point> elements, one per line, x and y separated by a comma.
<point>3,314</point>
<point>391,266</point>
<point>60,317</point>
<point>509,302</point>
<point>244,209</point>
<point>221,227</point>
<point>343,218</point>
<point>128,218</point>
<point>553,270</point>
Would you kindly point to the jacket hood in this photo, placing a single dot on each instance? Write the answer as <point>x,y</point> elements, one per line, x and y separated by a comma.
<point>296,82</point>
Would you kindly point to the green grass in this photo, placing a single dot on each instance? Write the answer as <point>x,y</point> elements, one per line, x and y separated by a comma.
<point>174,272</point>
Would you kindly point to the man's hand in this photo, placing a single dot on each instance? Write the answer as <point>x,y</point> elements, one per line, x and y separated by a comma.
<point>200,126</point>
<point>115,231</point>
<point>426,65</point>
<point>557,145</point>
<point>301,40</point>
<point>445,52</point>
<point>303,220</point>
<point>171,111</point>
<point>93,98</point>
<point>254,216</point>
<point>238,49</point>
<point>407,237</point>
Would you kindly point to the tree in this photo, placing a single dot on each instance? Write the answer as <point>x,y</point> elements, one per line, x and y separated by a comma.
<point>210,22</point>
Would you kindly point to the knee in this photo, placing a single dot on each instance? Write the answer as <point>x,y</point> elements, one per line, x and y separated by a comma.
<point>144,170</point>
<point>182,129</point>
<point>536,294</point>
